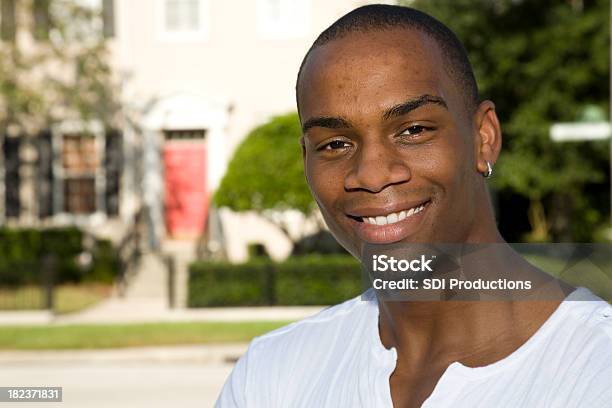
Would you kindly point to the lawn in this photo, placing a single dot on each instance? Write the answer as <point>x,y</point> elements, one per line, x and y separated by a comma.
<point>129,335</point>
<point>68,298</point>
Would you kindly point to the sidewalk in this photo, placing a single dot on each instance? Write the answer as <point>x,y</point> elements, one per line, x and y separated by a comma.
<point>116,311</point>
<point>145,310</point>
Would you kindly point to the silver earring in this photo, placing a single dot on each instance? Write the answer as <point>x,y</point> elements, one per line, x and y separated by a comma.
<point>489,171</point>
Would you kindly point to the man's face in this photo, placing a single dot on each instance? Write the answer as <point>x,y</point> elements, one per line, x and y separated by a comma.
<point>389,149</point>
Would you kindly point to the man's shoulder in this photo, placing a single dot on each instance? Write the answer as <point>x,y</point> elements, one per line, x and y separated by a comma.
<point>352,313</point>
<point>578,357</point>
<point>288,362</point>
<point>589,315</point>
<point>582,338</point>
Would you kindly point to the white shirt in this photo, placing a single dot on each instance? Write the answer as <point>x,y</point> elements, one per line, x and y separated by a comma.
<point>336,359</point>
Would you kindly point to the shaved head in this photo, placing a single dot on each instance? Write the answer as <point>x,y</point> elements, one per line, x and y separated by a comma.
<point>379,17</point>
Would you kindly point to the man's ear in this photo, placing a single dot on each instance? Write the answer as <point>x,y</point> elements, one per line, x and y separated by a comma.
<point>488,136</point>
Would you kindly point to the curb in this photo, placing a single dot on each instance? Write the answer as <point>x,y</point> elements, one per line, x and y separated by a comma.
<point>126,315</point>
<point>196,354</point>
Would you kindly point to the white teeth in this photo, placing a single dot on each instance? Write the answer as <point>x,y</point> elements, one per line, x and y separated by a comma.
<point>393,217</point>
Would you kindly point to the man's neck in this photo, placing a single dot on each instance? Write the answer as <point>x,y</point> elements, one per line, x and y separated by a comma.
<point>472,332</point>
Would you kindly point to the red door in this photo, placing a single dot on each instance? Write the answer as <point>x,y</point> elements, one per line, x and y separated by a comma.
<point>186,201</point>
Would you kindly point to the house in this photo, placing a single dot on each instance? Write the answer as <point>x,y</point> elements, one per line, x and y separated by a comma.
<point>57,168</point>
<point>195,76</point>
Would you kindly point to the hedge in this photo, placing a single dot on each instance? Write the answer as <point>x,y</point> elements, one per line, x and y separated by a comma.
<point>22,251</point>
<point>303,280</point>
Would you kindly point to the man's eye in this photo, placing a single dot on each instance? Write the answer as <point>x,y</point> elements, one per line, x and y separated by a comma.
<point>414,130</point>
<point>335,145</point>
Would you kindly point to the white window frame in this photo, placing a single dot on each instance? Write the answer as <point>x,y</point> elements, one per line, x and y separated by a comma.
<point>68,127</point>
<point>87,34</point>
<point>284,30</point>
<point>202,34</point>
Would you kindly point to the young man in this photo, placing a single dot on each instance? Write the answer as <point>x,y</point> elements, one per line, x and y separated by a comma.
<point>396,143</point>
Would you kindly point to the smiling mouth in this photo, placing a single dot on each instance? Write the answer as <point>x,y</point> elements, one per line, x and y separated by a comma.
<point>391,218</point>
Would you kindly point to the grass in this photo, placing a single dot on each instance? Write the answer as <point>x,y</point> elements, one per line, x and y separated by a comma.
<point>24,298</point>
<point>68,298</point>
<point>130,335</point>
<point>73,298</point>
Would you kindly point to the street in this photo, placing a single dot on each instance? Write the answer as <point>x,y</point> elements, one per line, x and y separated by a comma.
<point>120,383</point>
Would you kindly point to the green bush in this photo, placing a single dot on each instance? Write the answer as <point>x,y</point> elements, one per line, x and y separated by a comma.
<point>304,280</point>
<point>317,280</point>
<point>22,251</point>
<point>106,263</point>
<point>224,284</point>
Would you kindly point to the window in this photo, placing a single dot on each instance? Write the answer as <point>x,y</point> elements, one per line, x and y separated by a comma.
<point>42,19</point>
<point>283,19</point>
<point>182,15</point>
<point>86,170</point>
<point>80,195</point>
<point>80,160</point>
<point>7,20</point>
<point>184,19</point>
<point>82,23</point>
<point>195,134</point>
<point>108,17</point>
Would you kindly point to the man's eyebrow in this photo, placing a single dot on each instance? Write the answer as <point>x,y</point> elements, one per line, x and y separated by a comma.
<point>326,122</point>
<point>410,105</point>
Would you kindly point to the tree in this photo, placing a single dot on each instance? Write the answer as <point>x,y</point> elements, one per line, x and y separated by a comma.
<point>53,67</point>
<point>57,69</point>
<point>541,61</point>
<point>266,174</point>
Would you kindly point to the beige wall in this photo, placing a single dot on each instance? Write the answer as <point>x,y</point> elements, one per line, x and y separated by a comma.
<point>233,66</point>
<point>239,77</point>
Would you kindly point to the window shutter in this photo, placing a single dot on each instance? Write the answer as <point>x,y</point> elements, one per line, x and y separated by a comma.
<point>113,162</point>
<point>12,180</point>
<point>45,175</point>
<point>42,19</point>
<point>7,20</point>
<point>108,15</point>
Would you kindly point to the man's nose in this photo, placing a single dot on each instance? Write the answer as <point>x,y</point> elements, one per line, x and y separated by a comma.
<point>375,167</point>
